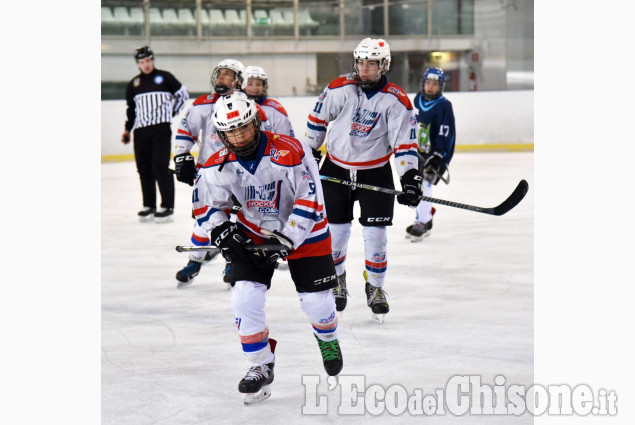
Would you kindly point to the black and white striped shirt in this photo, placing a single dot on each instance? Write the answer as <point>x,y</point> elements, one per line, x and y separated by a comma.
<point>154,98</point>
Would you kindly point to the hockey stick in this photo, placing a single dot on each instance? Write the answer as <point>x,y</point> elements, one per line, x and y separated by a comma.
<point>181,248</point>
<point>517,195</point>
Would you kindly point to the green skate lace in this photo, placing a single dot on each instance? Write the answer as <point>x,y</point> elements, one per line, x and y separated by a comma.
<point>330,350</point>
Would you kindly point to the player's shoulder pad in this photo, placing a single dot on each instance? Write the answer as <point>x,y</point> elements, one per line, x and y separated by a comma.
<point>206,99</point>
<point>261,113</point>
<point>397,91</point>
<point>276,105</point>
<point>218,157</point>
<point>341,81</point>
<point>284,150</point>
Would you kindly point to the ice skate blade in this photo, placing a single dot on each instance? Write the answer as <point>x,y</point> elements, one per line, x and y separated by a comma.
<point>419,238</point>
<point>263,394</point>
<point>182,285</point>
<point>378,317</point>
<point>146,219</point>
<point>161,220</point>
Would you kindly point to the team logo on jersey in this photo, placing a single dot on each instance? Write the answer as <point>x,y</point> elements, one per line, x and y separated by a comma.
<point>136,82</point>
<point>158,79</point>
<point>265,198</point>
<point>221,156</point>
<point>363,122</point>
<point>275,154</point>
<point>396,91</point>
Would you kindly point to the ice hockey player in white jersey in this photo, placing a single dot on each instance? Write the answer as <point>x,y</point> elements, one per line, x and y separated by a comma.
<point>277,185</point>
<point>256,89</point>
<point>197,127</point>
<point>368,120</point>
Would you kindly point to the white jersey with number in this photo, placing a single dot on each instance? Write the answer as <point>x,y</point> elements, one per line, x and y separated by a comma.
<point>280,190</point>
<point>197,126</point>
<point>365,128</point>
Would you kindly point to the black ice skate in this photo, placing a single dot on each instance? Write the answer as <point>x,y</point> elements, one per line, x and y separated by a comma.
<point>164,215</point>
<point>256,385</point>
<point>377,302</point>
<point>417,231</point>
<point>146,214</point>
<point>340,293</point>
<point>186,274</point>
<point>331,356</point>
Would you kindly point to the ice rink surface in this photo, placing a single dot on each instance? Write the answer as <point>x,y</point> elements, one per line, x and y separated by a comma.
<point>461,303</point>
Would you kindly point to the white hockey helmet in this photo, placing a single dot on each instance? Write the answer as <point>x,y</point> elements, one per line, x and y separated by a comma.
<point>372,49</point>
<point>257,73</point>
<point>232,112</point>
<point>239,69</point>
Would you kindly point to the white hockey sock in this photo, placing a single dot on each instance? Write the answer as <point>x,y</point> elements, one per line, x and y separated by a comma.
<point>197,256</point>
<point>320,308</point>
<point>248,303</point>
<point>424,209</point>
<point>340,234</point>
<point>376,258</point>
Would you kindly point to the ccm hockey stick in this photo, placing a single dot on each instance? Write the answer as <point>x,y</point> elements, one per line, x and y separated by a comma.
<point>517,195</point>
<point>181,248</point>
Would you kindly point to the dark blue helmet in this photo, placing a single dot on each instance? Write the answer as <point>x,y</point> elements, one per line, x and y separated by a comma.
<point>433,73</point>
<point>143,52</point>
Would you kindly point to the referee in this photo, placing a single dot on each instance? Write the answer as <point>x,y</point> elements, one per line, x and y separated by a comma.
<point>154,97</point>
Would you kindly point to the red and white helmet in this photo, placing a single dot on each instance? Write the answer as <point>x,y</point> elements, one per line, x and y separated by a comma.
<point>232,112</point>
<point>372,49</point>
<point>239,69</point>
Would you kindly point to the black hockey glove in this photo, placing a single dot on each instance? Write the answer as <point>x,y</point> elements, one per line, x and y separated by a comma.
<point>317,156</point>
<point>232,242</point>
<point>411,186</point>
<point>185,168</point>
<point>434,167</point>
<point>268,257</point>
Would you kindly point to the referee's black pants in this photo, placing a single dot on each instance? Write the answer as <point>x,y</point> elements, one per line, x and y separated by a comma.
<point>152,150</point>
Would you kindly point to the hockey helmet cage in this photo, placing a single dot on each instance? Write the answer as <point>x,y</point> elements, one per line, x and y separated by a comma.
<point>232,112</point>
<point>143,52</point>
<point>433,73</point>
<point>239,70</point>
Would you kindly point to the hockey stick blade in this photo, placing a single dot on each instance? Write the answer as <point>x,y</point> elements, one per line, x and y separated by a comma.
<point>514,199</point>
<point>181,248</point>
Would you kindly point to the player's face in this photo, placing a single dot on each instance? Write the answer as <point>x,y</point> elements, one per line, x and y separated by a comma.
<point>146,65</point>
<point>225,78</point>
<point>368,70</point>
<point>241,136</point>
<point>432,87</point>
<point>255,87</point>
